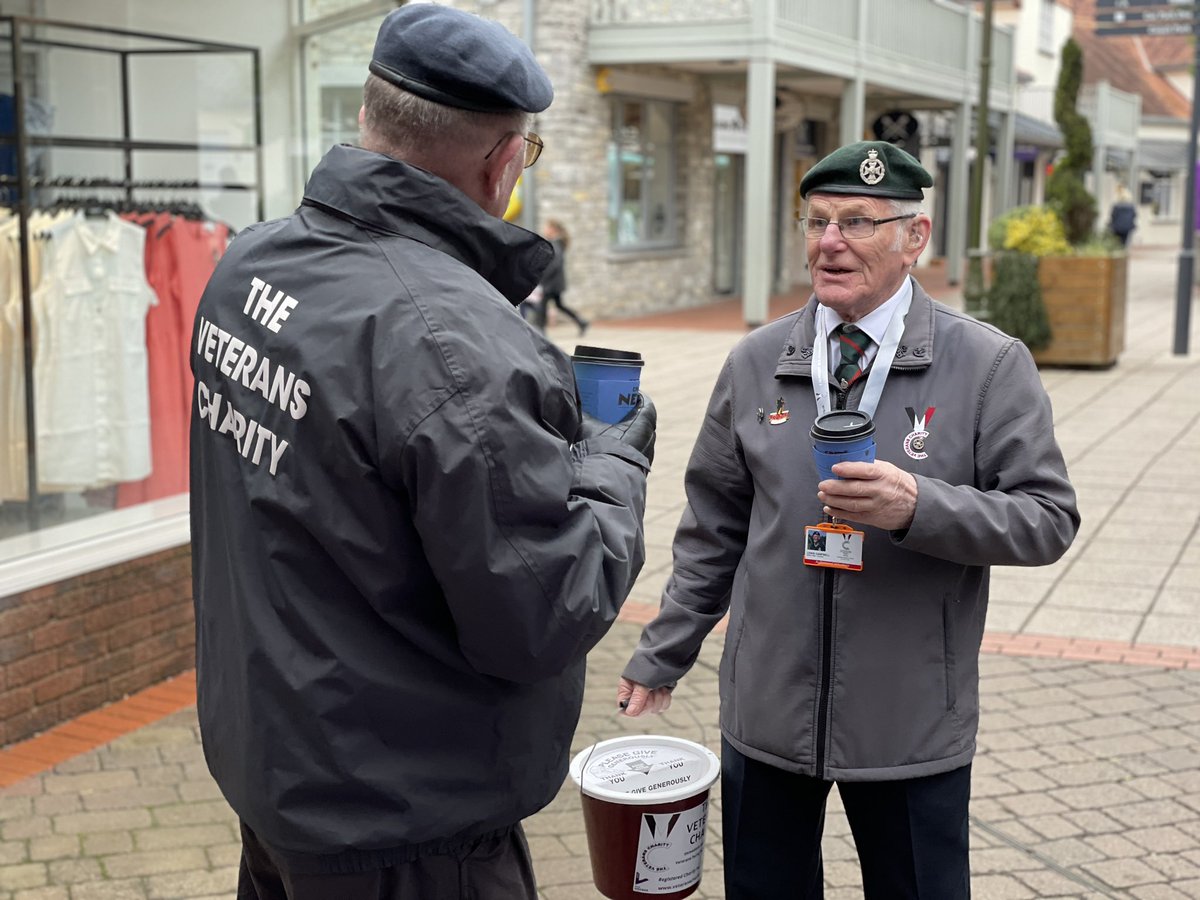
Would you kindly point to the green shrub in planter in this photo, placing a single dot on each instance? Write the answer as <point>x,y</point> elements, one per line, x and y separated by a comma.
<point>1015,299</point>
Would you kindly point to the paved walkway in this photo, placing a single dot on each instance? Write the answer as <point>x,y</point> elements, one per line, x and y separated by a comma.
<point>1087,784</point>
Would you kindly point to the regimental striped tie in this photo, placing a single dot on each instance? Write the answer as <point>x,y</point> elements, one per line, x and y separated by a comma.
<point>854,343</point>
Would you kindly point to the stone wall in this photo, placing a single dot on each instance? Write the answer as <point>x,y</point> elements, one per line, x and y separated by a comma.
<point>572,180</point>
<point>572,175</point>
<point>75,645</point>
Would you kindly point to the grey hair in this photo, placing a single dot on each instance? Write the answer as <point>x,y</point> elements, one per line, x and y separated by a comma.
<point>903,208</point>
<point>405,126</point>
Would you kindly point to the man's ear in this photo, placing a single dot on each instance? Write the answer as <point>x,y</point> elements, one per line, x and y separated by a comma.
<point>918,237</point>
<point>496,165</point>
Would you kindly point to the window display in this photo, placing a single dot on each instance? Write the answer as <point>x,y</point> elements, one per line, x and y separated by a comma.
<point>101,270</point>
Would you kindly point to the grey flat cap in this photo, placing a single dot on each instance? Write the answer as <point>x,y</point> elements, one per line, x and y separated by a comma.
<point>459,59</point>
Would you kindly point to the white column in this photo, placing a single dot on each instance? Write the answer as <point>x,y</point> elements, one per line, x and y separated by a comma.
<point>759,192</point>
<point>959,200</point>
<point>854,104</point>
<point>1006,182</point>
<point>786,221</point>
<point>1100,150</point>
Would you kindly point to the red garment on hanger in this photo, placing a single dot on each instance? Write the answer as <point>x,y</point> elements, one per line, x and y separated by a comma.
<point>168,419</point>
<point>181,255</point>
<point>198,247</point>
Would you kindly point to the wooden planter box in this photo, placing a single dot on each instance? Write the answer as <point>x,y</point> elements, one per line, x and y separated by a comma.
<point>1085,300</point>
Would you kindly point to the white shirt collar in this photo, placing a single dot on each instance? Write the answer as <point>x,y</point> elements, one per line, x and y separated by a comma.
<point>874,323</point>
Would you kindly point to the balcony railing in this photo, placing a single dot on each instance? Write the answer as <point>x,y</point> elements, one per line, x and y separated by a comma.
<point>635,12</point>
<point>1114,115</point>
<point>931,30</point>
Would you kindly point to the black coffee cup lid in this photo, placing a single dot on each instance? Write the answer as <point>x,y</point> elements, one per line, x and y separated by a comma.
<point>843,425</point>
<point>603,354</point>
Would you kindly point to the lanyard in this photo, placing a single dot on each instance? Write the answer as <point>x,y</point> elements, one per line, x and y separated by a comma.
<point>879,368</point>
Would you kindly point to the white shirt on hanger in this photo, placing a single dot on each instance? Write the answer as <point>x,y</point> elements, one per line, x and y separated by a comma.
<point>90,367</point>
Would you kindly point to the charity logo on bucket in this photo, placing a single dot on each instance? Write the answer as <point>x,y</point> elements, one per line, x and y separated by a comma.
<point>645,807</point>
<point>670,851</point>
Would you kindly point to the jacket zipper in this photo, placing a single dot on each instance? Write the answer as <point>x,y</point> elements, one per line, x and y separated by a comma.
<point>826,671</point>
<point>826,649</point>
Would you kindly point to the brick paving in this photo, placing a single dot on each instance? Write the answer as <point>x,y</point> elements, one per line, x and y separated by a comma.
<point>1087,783</point>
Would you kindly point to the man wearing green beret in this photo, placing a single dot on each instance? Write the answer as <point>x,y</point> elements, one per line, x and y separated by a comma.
<point>854,660</point>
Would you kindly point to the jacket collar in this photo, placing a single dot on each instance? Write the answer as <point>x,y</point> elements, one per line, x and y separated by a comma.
<point>384,194</point>
<point>916,344</point>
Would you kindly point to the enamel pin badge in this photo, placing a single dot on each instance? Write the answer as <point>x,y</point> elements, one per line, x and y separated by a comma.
<point>914,443</point>
<point>780,415</point>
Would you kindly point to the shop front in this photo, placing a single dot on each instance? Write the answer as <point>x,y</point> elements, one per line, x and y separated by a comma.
<point>143,135</point>
<point>136,139</point>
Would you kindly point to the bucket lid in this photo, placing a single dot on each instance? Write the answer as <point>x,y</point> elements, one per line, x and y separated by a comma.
<point>642,769</point>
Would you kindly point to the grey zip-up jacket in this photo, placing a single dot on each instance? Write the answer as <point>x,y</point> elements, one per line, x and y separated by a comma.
<point>400,557</point>
<point>869,675</point>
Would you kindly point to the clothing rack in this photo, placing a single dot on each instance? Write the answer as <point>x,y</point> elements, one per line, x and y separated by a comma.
<point>25,31</point>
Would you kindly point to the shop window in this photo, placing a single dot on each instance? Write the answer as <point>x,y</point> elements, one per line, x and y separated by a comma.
<point>642,174</point>
<point>339,114</point>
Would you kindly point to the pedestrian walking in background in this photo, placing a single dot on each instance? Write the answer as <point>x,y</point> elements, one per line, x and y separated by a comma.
<point>858,664</point>
<point>406,536</point>
<point>1122,219</point>
<point>554,279</point>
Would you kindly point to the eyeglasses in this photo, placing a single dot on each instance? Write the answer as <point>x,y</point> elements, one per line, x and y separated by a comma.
<point>853,228</point>
<point>533,147</point>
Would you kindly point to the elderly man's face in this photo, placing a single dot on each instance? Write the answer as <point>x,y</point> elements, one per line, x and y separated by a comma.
<point>853,277</point>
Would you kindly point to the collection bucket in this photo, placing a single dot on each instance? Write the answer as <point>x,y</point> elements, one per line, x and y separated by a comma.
<point>645,808</point>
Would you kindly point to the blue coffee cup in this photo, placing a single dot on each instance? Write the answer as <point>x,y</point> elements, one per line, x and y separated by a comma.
<point>608,381</point>
<point>844,435</point>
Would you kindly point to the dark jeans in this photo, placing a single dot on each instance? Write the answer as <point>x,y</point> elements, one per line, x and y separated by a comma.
<point>495,869</point>
<point>911,835</point>
<point>557,300</point>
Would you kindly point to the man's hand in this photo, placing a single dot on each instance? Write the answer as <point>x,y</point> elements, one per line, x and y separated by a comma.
<point>875,493</point>
<point>637,429</point>
<point>635,699</point>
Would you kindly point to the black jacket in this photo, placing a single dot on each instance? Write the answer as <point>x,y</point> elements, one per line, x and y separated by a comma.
<point>554,278</point>
<point>400,557</point>
<point>1123,217</point>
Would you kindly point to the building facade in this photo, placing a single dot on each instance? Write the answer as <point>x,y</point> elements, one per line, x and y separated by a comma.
<point>677,138</point>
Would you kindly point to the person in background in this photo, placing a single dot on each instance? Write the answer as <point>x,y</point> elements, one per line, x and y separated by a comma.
<point>406,536</point>
<point>1122,219</point>
<point>861,669</point>
<point>554,279</point>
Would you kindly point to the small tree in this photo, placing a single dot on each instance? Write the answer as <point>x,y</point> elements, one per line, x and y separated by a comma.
<point>1065,189</point>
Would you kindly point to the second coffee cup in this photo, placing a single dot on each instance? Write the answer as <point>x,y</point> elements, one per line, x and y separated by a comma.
<point>608,381</point>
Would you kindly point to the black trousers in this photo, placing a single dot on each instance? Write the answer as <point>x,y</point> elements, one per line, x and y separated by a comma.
<point>557,300</point>
<point>911,835</point>
<point>495,869</point>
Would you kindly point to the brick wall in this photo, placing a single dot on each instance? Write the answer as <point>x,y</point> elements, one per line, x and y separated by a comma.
<point>75,645</point>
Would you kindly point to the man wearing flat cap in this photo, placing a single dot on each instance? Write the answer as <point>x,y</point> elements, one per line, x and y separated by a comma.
<point>406,536</point>
<point>855,659</point>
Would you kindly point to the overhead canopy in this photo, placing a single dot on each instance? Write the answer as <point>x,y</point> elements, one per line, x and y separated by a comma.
<point>1163,155</point>
<point>1028,130</point>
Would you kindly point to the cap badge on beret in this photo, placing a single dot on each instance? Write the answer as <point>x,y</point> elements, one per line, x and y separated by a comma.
<point>872,171</point>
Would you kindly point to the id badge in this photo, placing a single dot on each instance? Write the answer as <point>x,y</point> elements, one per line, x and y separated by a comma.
<point>833,547</point>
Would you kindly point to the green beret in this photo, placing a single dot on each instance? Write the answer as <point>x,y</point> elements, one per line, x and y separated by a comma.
<point>868,168</point>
